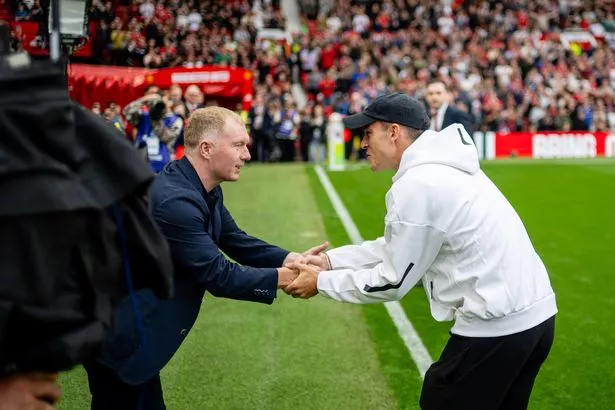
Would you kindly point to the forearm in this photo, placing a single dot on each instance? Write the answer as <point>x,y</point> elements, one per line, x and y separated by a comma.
<point>366,255</point>
<point>133,107</point>
<point>251,251</point>
<point>405,260</point>
<point>360,286</point>
<point>262,289</point>
<point>242,283</point>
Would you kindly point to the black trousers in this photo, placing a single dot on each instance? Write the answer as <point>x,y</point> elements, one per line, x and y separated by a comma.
<point>288,150</point>
<point>261,147</point>
<point>111,393</point>
<point>490,373</point>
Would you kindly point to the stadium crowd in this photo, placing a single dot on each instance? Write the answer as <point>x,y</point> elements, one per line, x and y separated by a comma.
<point>503,62</point>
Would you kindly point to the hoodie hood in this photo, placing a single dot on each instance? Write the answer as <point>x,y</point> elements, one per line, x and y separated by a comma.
<point>452,147</point>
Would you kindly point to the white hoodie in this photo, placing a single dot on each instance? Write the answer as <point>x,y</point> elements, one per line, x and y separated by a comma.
<point>448,224</point>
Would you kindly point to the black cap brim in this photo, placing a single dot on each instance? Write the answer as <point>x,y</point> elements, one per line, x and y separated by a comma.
<point>357,121</point>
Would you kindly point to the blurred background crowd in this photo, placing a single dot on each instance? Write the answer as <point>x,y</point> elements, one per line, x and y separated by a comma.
<point>511,65</point>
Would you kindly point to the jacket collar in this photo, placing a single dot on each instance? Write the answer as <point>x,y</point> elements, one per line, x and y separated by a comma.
<point>189,172</point>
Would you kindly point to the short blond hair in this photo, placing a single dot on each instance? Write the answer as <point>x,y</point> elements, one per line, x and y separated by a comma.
<point>206,123</point>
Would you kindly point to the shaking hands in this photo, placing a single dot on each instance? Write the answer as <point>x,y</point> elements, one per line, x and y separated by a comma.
<point>299,276</point>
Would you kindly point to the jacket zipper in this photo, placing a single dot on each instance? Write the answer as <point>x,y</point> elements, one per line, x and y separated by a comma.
<point>431,286</point>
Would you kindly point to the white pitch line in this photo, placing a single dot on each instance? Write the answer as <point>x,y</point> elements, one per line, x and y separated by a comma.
<point>411,339</point>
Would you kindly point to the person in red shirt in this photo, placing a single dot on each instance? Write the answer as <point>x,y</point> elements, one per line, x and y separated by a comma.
<point>162,13</point>
<point>327,85</point>
<point>328,56</point>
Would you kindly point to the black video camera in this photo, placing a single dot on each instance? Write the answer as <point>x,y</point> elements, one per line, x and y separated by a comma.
<point>157,109</point>
<point>77,236</point>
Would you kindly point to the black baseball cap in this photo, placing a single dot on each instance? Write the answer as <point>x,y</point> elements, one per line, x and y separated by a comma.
<point>396,108</point>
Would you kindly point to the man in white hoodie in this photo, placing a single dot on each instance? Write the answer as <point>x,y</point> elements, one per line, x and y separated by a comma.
<point>450,226</point>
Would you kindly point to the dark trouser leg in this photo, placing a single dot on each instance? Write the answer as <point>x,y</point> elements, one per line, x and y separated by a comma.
<point>518,395</point>
<point>263,153</point>
<point>305,145</point>
<point>109,392</point>
<point>481,373</point>
<point>348,148</point>
<point>261,146</point>
<point>288,150</point>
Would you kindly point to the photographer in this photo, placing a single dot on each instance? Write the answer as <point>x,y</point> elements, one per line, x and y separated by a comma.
<point>157,128</point>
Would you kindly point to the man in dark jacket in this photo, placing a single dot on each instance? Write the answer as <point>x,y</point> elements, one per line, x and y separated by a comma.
<point>443,114</point>
<point>261,129</point>
<point>187,203</point>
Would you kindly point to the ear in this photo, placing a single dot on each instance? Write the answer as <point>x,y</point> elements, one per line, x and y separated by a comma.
<point>205,149</point>
<point>395,132</point>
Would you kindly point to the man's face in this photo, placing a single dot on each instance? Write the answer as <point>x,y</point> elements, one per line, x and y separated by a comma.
<point>152,90</point>
<point>436,95</point>
<point>193,95</point>
<point>378,143</point>
<point>176,94</point>
<point>230,151</point>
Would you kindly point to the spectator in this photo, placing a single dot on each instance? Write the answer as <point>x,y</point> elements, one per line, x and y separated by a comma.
<point>306,132</point>
<point>287,131</point>
<point>152,59</point>
<point>193,97</point>
<point>147,9</point>
<point>260,125</point>
<point>175,94</point>
<point>22,14</point>
<point>317,152</point>
<point>36,12</point>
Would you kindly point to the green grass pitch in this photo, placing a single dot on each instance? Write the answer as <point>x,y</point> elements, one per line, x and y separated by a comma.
<point>318,354</point>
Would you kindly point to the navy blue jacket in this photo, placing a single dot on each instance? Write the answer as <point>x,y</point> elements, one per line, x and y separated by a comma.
<point>454,115</point>
<point>198,227</point>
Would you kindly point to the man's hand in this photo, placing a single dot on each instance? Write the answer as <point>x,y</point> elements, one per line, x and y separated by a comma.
<point>306,284</point>
<point>321,261</point>
<point>285,277</point>
<point>151,97</point>
<point>315,251</point>
<point>30,391</point>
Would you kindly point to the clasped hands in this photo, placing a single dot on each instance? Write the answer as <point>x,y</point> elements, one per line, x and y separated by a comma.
<point>299,276</point>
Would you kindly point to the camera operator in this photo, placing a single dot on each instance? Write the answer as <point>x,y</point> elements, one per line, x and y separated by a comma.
<point>78,238</point>
<point>157,128</point>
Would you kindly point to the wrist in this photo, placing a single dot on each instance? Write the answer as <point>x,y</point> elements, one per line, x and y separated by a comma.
<point>327,261</point>
<point>285,277</point>
<point>290,257</point>
<point>280,277</point>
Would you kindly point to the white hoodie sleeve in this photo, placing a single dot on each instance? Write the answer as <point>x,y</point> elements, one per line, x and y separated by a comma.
<point>408,251</point>
<point>365,255</point>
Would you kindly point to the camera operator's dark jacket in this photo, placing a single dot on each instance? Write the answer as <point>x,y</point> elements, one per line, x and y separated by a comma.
<point>198,227</point>
<point>75,225</point>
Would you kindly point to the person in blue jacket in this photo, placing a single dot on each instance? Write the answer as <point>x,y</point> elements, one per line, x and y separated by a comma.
<point>158,127</point>
<point>188,204</point>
